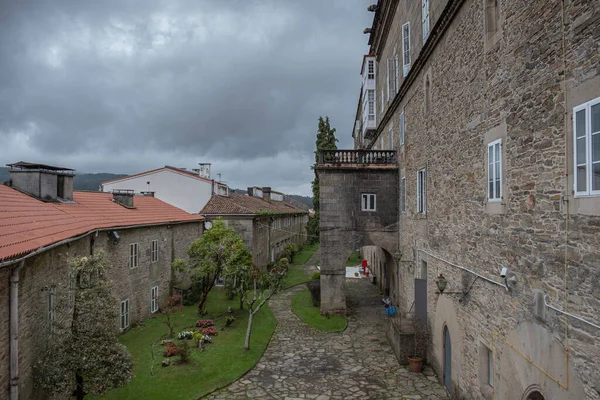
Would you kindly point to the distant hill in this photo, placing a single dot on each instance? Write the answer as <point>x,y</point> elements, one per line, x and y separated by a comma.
<point>81,182</point>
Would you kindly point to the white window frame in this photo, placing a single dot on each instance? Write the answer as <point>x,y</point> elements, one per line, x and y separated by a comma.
<point>406,48</point>
<point>124,321</point>
<point>422,191</point>
<point>368,202</point>
<point>490,365</point>
<point>388,80</point>
<point>495,165</point>
<point>154,299</point>
<point>371,105</point>
<point>587,138</point>
<point>391,139</point>
<point>396,75</point>
<point>154,251</point>
<point>371,69</point>
<point>382,101</point>
<point>402,127</point>
<point>425,19</point>
<point>403,194</point>
<point>133,255</point>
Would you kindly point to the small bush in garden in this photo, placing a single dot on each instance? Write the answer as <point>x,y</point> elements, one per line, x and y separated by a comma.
<point>185,335</point>
<point>171,351</point>
<point>184,352</point>
<point>316,275</point>
<point>204,323</point>
<point>211,331</point>
<point>167,343</point>
<point>229,320</point>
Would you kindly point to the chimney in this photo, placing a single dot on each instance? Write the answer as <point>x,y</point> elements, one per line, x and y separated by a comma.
<point>266,193</point>
<point>250,190</point>
<point>204,170</point>
<point>147,194</point>
<point>45,182</point>
<point>123,197</point>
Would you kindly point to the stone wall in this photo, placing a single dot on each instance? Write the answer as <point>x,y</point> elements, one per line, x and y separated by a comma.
<point>474,88</point>
<point>49,270</point>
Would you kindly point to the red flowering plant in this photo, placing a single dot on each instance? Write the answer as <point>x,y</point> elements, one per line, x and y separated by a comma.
<point>171,351</point>
<point>204,323</point>
<point>211,331</point>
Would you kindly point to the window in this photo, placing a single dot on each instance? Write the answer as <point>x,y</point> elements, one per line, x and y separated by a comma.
<point>125,314</point>
<point>382,100</point>
<point>371,69</point>
<point>586,145</point>
<point>495,171</point>
<point>401,128</point>
<point>392,77</point>
<point>403,194</point>
<point>51,308</point>
<point>425,19</point>
<point>368,202</point>
<point>133,255</point>
<point>371,104</point>
<point>390,139</point>
<point>155,250</point>
<point>421,191</point>
<point>406,48</point>
<point>382,145</point>
<point>154,300</point>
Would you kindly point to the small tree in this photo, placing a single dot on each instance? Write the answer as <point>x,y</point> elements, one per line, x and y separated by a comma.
<point>83,354</point>
<point>265,285</point>
<point>220,251</point>
<point>172,305</point>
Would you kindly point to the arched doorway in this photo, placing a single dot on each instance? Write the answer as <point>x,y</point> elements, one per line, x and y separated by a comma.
<point>535,395</point>
<point>447,359</point>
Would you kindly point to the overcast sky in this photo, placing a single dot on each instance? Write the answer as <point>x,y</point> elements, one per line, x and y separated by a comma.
<point>125,86</point>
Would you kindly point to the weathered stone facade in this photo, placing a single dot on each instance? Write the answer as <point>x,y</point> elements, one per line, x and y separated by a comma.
<point>496,70</point>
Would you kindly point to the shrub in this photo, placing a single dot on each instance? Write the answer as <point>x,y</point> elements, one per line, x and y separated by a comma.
<point>229,320</point>
<point>284,262</point>
<point>316,275</point>
<point>184,352</point>
<point>204,323</point>
<point>290,250</point>
<point>185,335</point>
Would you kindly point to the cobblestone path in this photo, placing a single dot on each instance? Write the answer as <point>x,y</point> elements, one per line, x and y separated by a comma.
<point>301,363</point>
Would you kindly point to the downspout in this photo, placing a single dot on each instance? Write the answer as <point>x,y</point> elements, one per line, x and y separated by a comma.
<point>14,331</point>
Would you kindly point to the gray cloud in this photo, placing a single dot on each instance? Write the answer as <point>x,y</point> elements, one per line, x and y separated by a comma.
<point>123,86</point>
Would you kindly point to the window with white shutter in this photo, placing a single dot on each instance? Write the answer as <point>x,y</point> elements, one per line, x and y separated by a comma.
<point>495,170</point>
<point>586,147</point>
<point>425,19</point>
<point>401,128</point>
<point>421,191</point>
<point>406,48</point>
<point>125,314</point>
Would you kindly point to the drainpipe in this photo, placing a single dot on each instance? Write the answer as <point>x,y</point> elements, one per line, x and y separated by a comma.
<point>14,331</point>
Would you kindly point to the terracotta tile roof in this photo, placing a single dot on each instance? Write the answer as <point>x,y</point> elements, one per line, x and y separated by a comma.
<point>27,224</point>
<point>243,204</point>
<point>166,167</point>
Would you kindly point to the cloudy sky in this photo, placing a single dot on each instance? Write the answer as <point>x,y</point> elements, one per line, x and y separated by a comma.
<point>124,86</point>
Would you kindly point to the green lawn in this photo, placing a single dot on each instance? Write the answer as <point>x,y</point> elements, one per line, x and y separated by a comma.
<point>354,259</point>
<point>294,276</point>
<point>302,306</point>
<point>303,255</point>
<point>222,362</point>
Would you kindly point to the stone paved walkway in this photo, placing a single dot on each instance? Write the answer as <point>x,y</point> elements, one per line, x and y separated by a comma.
<point>301,363</point>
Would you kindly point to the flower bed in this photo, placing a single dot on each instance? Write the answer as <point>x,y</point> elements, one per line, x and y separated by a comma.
<point>209,331</point>
<point>204,323</point>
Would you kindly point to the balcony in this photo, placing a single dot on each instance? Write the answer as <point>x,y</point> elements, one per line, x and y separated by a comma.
<point>358,158</point>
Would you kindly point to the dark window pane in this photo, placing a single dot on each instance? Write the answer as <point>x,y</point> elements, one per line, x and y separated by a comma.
<point>596,176</point>
<point>596,118</point>
<point>580,123</point>
<point>581,179</point>
<point>596,147</point>
<point>581,151</point>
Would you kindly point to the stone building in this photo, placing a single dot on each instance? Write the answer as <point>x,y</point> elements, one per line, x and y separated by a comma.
<point>263,219</point>
<point>492,111</point>
<point>40,230</point>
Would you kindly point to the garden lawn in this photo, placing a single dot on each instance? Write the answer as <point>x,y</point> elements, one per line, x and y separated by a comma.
<point>302,257</point>
<point>294,276</point>
<point>222,362</point>
<point>353,260</point>
<point>302,306</point>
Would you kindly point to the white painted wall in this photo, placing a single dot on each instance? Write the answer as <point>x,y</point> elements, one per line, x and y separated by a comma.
<point>180,190</point>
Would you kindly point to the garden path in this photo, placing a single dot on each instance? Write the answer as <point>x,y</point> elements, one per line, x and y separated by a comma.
<point>302,363</point>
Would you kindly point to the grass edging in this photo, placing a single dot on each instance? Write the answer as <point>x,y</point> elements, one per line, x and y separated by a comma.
<point>324,320</point>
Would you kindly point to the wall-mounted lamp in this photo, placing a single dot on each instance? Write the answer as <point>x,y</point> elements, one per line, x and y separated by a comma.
<point>441,283</point>
<point>367,31</point>
<point>372,8</point>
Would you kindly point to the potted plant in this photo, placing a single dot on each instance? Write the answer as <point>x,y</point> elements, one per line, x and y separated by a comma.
<point>421,340</point>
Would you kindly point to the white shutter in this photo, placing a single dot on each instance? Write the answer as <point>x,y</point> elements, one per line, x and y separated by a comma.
<point>425,19</point>
<point>389,76</point>
<point>396,75</point>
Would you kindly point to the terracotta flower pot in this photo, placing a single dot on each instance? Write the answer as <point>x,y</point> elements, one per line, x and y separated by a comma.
<point>415,364</point>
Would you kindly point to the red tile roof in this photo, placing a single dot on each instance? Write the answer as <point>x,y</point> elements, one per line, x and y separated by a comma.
<point>243,204</point>
<point>27,224</point>
<point>166,167</point>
